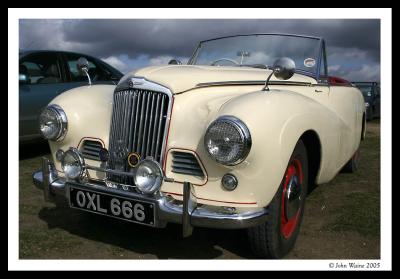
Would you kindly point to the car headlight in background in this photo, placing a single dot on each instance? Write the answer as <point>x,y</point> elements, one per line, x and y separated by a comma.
<point>366,104</point>
<point>53,123</point>
<point>73,163</point>
<point>228,140</point>
<point>149,176</point>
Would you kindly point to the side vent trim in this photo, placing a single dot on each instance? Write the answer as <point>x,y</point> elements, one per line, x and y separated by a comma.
<point>186,163</point>
<point>90,149</point>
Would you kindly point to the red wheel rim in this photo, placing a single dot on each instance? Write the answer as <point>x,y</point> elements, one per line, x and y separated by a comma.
<point>288,225</point>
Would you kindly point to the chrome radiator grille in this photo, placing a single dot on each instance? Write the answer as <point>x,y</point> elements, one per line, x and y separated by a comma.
<point>139,124</point>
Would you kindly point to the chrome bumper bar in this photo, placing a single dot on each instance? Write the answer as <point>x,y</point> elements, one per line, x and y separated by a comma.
<point>188,213</point>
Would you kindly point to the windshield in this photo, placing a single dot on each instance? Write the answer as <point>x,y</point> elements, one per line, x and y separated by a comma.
<point>250,50</point>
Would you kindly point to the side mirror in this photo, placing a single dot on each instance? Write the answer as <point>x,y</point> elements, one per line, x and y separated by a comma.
<point>83,66</point>
<point>23,79</point>
<point>282,69</point>
<point>82,63</point>
<point>174,62</point>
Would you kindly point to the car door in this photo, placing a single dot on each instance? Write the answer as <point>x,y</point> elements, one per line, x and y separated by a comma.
<point>97,72</point>
<point>45,80</point>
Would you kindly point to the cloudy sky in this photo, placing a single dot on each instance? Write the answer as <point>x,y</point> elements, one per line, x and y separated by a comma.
<point>353,45</point>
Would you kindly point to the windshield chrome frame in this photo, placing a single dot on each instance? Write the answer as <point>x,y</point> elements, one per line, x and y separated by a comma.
<point>321,52</point>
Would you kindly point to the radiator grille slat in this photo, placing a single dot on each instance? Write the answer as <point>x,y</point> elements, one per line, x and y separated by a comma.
<point>145,128</point>
<point>132,119</point>
<point>138,125</point>
<point>159,127</point>
<point>150,129</point>
<point>155,128</point>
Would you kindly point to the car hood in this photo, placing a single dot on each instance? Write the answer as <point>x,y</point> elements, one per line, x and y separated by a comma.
<point>181,78</point>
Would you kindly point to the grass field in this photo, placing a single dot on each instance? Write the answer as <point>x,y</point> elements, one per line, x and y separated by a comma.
<point>341,221</point>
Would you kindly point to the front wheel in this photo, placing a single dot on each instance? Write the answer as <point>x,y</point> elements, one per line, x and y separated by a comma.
<point>276,237</point>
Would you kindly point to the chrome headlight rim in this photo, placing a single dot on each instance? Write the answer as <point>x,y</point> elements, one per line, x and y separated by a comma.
<point>62,120</point>
<point>244,133</point>
<point>80,160</point>
<point>158,168</point>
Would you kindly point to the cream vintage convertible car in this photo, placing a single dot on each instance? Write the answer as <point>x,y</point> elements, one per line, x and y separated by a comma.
<point>232,140</point>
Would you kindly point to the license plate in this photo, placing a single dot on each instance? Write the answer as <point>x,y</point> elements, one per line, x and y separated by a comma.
<point>112,205</point>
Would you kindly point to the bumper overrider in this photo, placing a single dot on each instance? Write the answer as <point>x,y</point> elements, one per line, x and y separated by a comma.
<point>166,209</point>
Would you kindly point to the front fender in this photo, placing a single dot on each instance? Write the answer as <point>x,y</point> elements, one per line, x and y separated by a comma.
<point>88,109</point>
<point>276,120</point>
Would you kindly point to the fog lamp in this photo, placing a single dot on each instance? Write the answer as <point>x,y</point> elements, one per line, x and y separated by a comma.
<point>149,176</point>
<point>73,163</point>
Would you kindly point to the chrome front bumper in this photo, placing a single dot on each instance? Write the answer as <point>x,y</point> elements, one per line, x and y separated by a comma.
<point>187,212</point>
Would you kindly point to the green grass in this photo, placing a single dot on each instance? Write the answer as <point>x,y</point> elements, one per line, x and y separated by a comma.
<point>359,209</point>
<point>50,241</point>
<point>360,213</point>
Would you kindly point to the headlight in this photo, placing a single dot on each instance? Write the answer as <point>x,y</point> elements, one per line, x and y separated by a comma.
<point>149,176</point>
<point>227,140</point>
<point>73,164</point>
<point>53,123</point>
<point>366,104</point>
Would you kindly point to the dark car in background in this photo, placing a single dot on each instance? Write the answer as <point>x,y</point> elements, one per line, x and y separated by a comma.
<point>45,74</point>
<point>372,96</point>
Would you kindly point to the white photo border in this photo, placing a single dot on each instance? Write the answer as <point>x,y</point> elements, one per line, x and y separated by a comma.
<point>14,263</point>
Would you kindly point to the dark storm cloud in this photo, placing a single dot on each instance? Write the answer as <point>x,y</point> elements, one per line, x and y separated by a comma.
<point>357,39</point>
<point>179,37</point>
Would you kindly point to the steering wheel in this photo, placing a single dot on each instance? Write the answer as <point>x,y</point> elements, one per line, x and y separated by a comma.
<point>224,59</point>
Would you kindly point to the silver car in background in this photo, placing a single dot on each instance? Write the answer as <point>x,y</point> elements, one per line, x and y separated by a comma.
<point>45,74</point>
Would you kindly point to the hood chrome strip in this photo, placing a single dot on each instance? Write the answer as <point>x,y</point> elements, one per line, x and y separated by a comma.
<point>252,82</point>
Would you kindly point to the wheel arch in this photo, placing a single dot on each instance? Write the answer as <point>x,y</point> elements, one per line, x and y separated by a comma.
<point>363,129</point>
<point>313,146</point>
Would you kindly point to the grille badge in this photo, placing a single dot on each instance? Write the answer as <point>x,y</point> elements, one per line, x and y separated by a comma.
<point>133,159</point>
<point>134,81</point>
